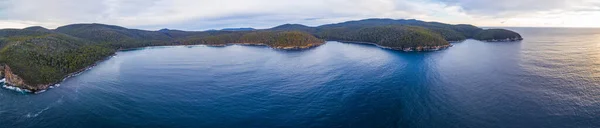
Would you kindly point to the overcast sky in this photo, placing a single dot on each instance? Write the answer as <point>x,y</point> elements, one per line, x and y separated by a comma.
<point>216,14</point>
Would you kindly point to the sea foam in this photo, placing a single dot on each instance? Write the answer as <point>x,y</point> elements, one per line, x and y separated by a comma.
<point>15,89</point>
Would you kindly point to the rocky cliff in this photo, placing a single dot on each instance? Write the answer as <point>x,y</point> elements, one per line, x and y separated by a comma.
<point>16,81</point>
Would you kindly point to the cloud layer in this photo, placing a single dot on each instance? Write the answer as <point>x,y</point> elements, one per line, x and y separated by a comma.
<point>215,14</point>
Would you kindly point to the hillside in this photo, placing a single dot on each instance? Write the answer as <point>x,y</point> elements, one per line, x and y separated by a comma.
<point>116,36</point>
<point>448,31</point>
<point>295,27</point>
<point>32,62</point>
<point>498,35</point>
<point>238,29</point>
<point>407,38</point>
<point>274,39</point>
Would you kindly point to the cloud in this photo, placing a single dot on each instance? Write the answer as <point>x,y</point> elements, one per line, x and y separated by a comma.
<point>216,14</point>
<point>495,7</point>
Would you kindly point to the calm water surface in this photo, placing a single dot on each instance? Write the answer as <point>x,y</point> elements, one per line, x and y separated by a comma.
<point>551,79</point>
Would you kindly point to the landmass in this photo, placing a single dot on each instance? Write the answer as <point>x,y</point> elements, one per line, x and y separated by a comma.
<point>498,35</point>
<point>35,58</point>
<point>238,29</point>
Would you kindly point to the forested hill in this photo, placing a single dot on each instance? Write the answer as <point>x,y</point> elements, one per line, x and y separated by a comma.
<point>448,31</point>
<point>34,58</point>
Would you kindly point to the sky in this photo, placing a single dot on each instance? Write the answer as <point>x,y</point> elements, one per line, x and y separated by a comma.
<point>217,14</point>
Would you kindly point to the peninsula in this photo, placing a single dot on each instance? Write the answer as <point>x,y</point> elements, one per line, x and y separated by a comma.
<point>36,58</point>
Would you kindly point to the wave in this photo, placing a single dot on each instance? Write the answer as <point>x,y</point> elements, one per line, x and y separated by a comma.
<point>38,92</point>
<point>54,86</point>
<point>26,91</point>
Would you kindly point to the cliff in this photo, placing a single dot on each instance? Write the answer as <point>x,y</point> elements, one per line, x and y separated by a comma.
<point>14,80</point>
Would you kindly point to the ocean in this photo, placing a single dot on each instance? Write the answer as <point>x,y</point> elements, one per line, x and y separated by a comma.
<point>551,79</point>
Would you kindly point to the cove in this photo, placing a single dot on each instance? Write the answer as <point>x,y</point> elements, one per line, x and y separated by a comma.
<point>472,84</point>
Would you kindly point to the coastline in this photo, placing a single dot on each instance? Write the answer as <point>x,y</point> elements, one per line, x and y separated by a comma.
<point>262,44</point>
<point>43,87</point>
<point>504,40</point>
<point>404,49</point>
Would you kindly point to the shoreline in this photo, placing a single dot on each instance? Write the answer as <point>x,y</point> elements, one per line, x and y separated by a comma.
<point>404,49</point>
<point>45,87</point>
<point>53,85</point>
<point>503,40</point>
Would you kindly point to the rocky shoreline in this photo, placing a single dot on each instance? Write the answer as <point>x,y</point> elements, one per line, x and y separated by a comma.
<point>504,40</point>
<point>274,47</point>
<point>405,49</point>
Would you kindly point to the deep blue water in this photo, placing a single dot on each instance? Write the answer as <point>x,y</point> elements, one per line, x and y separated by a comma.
<point>551,79</point>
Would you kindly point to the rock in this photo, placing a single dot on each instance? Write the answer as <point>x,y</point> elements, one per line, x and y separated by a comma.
<point>11,78</point>
<point>1,71</point>
<point>14,80</point>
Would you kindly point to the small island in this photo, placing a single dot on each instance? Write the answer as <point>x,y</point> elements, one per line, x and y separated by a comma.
<point>35,58</point>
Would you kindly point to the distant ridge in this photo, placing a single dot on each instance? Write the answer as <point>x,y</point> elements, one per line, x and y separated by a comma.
<point>238,29</point>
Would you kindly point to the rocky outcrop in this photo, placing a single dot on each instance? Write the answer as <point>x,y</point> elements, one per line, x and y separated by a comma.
<point>14,80</point>
<point>1,71</point>
<point>11,78</point>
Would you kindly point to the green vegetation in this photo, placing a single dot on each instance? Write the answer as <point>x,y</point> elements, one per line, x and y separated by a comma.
<point>498,35</point>
<point>275,39</point>
<point>448,31</point>
<point>48,57</point>
<point>116,37</point>
<point>42,56</point>
<point>295,27</point>
<point>393,36</point>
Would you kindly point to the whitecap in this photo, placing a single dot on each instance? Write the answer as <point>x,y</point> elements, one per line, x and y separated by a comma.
<point>15,88</point>
<point>54,86</point>
<point>41,91</point>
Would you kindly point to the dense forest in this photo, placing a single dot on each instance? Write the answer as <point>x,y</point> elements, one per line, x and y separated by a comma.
<point>47,56</point>
<point>41,56</point>
<point>387,36</point>
<point>498,35</point>
<point>449,32</point>
<point>274,39</point>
